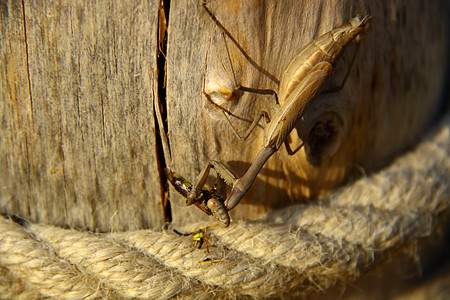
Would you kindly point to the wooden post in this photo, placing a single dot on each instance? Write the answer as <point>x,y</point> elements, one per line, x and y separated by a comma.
<point>79,82</point>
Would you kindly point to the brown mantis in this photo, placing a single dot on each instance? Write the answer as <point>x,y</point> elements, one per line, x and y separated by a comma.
<point>301,83</point>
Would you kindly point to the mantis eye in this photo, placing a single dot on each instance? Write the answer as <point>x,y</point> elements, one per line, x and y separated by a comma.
<point>219,211</point>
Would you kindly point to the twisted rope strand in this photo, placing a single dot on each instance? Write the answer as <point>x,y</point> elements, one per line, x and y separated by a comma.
<point>295,250</point>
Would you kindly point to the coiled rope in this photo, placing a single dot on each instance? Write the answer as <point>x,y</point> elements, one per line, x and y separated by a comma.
<point>292,251</point>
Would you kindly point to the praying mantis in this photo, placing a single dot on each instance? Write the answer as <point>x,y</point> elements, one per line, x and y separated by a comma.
<point>301,83</point>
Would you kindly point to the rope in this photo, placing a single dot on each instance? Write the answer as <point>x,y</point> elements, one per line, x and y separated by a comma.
<point>292,251</point>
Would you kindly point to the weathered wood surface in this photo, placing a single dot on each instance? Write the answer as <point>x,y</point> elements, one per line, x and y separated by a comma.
<point>76,108</point>
<point>391,94</point>
<point>77,132</point>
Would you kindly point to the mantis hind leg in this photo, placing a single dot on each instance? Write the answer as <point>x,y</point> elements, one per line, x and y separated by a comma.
<point>240,88</point>
<point>227,113</point>
<point>244,53</point>
<point>289,149</point>
<point>249,129</point>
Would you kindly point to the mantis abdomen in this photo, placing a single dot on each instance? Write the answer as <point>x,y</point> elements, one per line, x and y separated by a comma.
<point>326,48</point>
<point>305,76</point>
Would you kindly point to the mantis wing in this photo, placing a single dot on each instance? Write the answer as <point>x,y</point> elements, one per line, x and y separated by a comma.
<point>296,104</point>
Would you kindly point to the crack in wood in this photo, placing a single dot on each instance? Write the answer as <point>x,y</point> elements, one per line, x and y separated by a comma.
<point>162,146</point>
<point>28,64</point>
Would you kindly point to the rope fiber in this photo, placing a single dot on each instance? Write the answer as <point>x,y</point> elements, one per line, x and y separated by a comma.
<point>292,251</point>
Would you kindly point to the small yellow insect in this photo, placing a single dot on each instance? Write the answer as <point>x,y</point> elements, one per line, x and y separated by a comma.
<point>199,236</point>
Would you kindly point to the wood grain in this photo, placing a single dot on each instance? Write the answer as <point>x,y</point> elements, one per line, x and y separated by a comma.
<point>78,138</point>
<point>390,97</point>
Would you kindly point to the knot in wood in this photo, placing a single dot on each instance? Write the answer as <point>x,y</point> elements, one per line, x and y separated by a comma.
<point>324,138</point>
